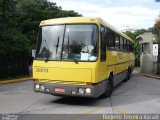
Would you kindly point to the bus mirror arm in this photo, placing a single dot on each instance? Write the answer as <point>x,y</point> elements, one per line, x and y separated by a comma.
<point>76,61</point>
<point>33,53</point>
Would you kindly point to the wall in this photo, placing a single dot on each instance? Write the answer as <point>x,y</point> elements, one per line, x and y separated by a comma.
<point>147,60</point>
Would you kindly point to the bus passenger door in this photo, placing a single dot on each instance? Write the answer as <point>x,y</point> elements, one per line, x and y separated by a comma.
<point>103,66</point>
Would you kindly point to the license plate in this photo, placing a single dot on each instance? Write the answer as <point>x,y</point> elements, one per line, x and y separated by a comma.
<point>59,90</point>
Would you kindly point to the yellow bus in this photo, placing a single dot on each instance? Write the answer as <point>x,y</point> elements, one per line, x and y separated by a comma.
<point>81,56</point>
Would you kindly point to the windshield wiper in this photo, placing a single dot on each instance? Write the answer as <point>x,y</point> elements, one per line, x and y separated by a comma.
<point>48,52</point>
<point>57,45</point>
<point>75,60</point>
<point>47,45</point>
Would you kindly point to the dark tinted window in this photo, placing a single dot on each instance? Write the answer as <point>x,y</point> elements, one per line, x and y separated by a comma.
<point>124,44</point>
<point>121,43</point>
<point>103,43</point>
<point>131,46</point>
<point>110,38</point>
<point>117,41</point>
<point>128,45</point>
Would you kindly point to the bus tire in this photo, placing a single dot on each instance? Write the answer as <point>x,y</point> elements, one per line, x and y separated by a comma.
<point>109,87</point>
<point>128,75</point>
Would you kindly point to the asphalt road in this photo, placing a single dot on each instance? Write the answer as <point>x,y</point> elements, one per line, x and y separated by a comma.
<point>139,95</point>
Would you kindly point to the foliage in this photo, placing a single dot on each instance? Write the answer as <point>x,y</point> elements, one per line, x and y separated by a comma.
<point>24,16</point>
<point>11,37</point>
<point>156,30</point>
<point>137,47</point>
<point>1,2</point>
<point>19,21</point>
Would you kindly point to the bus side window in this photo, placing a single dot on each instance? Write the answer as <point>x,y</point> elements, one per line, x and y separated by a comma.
<point>103,43</point>
<point>117,41</point>
<point>110,39</point>
<point>124,44</point>
<point>132,47</point>
<point>128,49</point>
<point>121,43</point>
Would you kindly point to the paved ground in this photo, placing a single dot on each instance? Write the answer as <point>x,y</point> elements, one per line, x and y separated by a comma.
<point>139,95</point>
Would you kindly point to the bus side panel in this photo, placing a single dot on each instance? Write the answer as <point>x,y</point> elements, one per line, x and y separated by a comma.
<point>103,69</point>
<point>121,59</point>
<point>111,61</point>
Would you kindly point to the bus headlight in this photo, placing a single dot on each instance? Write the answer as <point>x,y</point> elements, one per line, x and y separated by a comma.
<point>88,90</point>
<point>37,87</point>
<point>81,91</point>
<point>42,88</point>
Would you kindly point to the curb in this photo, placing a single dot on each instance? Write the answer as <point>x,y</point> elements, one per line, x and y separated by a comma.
<point>151,76</point>
<point>15,80</point>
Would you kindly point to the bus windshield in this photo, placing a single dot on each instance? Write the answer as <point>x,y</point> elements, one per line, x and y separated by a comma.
<point>75,42</point>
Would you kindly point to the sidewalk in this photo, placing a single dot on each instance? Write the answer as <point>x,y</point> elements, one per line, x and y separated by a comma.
<point>137,71</point>
<point>151,75</point>
<point>15,80</point>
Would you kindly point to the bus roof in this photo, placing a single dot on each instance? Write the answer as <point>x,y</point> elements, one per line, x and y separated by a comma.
<point>70,20</point>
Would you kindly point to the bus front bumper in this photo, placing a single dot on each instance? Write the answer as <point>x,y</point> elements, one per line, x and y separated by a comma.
<point>92,91</point>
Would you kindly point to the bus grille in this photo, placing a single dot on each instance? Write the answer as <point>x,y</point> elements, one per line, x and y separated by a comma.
<point>63,82</point>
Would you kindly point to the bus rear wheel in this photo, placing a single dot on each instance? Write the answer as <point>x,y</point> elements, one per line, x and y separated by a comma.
<point>109,87</point>
<point>128,75</point>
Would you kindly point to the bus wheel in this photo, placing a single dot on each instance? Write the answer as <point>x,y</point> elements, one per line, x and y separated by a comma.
<point>128,75</point>
<point>109,88</point>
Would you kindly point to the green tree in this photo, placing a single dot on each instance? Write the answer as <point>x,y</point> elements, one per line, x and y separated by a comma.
<point>29,13</point>
<point>1,7</point>
<point>137,47</point>
<point>1,13</point>
<point>19,21</point>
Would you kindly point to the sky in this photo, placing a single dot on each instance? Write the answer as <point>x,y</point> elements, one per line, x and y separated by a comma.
<point>122,14</point>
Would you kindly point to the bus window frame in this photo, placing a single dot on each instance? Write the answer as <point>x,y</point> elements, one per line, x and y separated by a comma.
<point>123,42</point>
